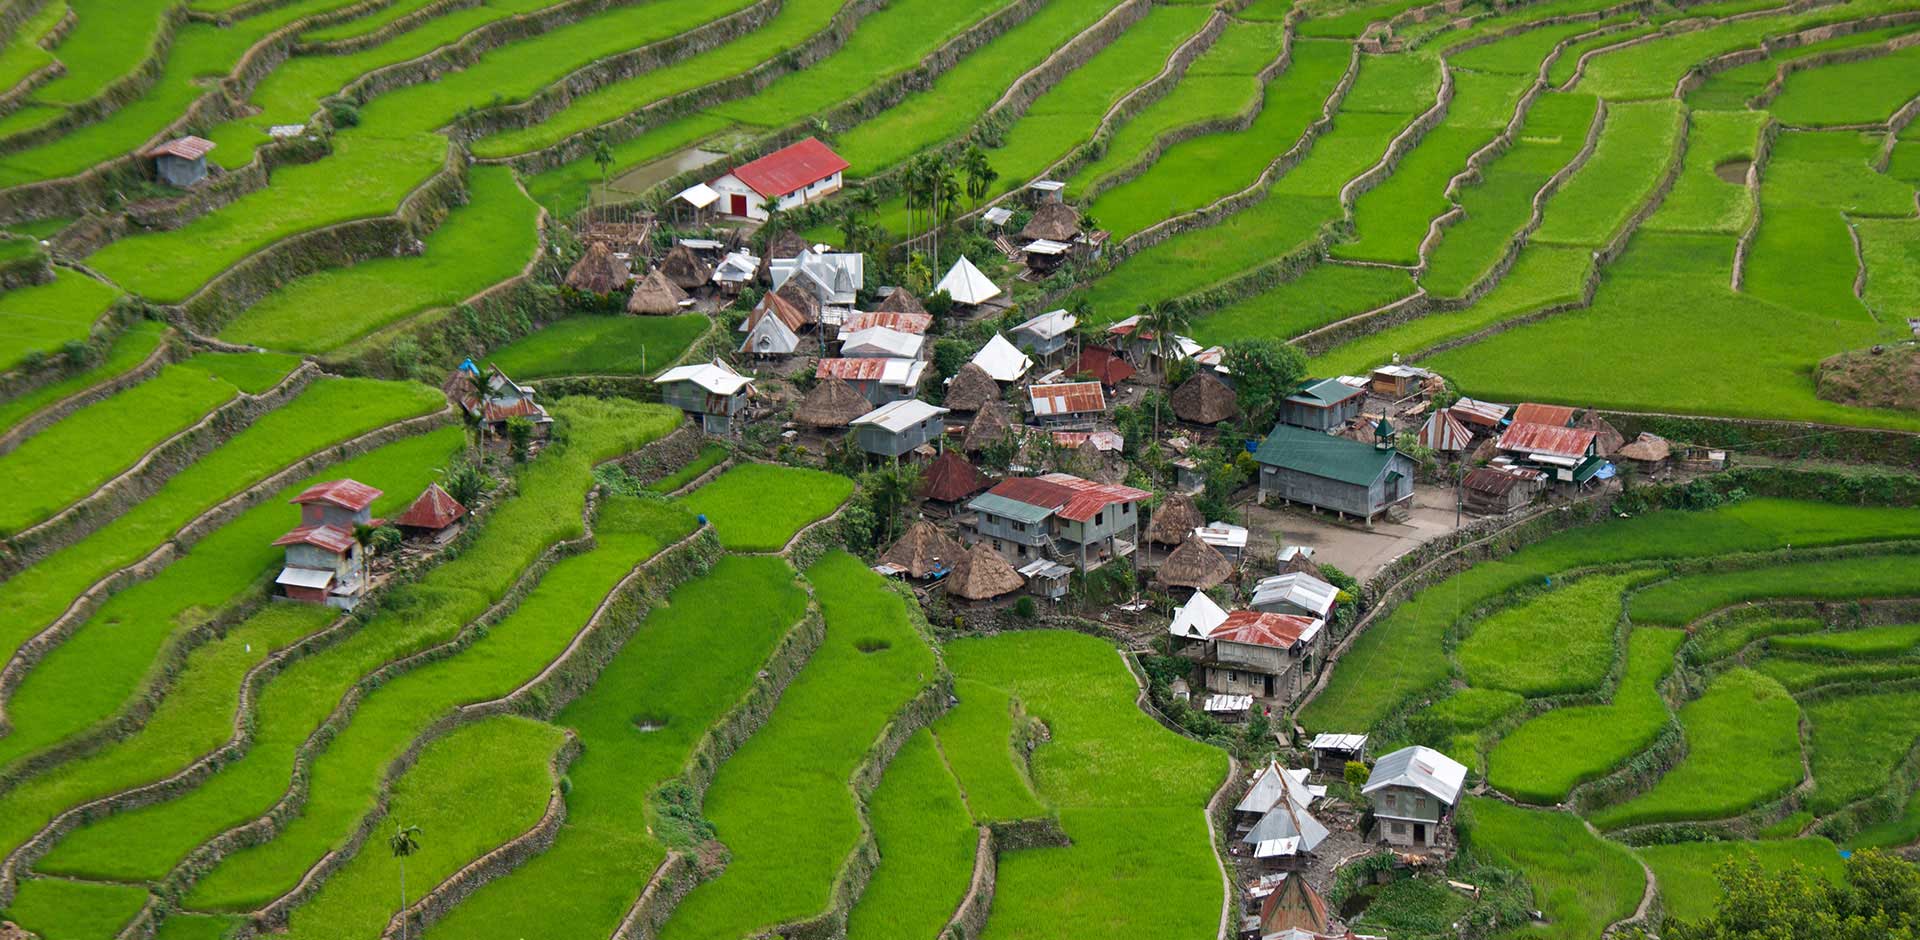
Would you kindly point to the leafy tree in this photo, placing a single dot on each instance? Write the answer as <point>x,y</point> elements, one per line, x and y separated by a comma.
<point>1264,372</point>
<point>602,155</point>
<point>939,303</point>
<point>464,482</point>
<point>1355,773</point>
<point>1879,900</point>
<point>520,437</point>
<point>918,277</point>
<point>949,354</point>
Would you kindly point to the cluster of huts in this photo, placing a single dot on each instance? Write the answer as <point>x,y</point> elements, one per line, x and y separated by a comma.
<point>326,561</point>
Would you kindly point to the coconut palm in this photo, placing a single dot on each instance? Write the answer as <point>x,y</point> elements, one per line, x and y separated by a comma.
<point>946,194</point>
<point>404,842</point>
<point>483,397</point>
<point>1162,323</point>
<point>980,173</point>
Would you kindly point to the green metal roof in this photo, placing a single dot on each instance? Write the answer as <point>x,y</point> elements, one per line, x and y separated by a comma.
<point>1323,455</point>
<point>995,505</point>
<point>1324,393</point>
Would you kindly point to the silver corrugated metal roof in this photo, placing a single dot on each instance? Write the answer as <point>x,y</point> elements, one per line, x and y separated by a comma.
<point>1422,768</point>
<point>897,416</point>
<point>1298,589</point>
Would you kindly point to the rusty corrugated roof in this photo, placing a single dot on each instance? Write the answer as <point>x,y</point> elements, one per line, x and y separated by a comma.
<point>351,495</point>
<point>1067,398</point>
<point>1531,413</point>
<point>1546,439</point>
<point>331,538</point>
<point>1258,628</point>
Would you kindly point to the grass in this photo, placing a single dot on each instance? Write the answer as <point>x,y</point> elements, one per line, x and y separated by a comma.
<point>1322,295</point>
<point>782,803</point>
<point>671,674</point>
<point>1632,153</point>
<point>128,350</point>
<point>74,910</point>
<point>1899,831</point>
<point>1689,883</point>
<point>23,54</point>
<point>69,460</point>
<point>1863,92</point>
<point>1743,749</point>
<point>1800,675</point>
<point>487,241</point>
<point>926,842</point>
<point>1402,654</point>
<point>107,36</point>
<point>1857,741</point>
<point>709,457</point>
<point>343,779</point>
<point>760,507</point>
<point>1563,67</point>
<point>589,344</point>
<point>1683,599</point>
<point>1731,89</point>
<point>1722,638</point>
<point>1558,642</point>
<point>42,318</point>
<point>1458,720</point>
<point>1128,792</point>
<point>976,739</point>
<point>1545,758</point>
<point>1195,172</point>
<point>1651,70</point>
<point>1701,201</point>
<point>1891,250</point>
<point>146,843</point>
<point>101,667</point>
<point>1864,643</point>
<point>1499,204</point>
<point>476,788</point>
<point>1582,882</point>
<point>1802,258</point>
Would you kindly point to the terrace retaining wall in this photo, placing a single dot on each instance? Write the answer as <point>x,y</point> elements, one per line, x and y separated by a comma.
<point>1756,171</point>
<point>19,382</point>
<point>969,919</point>
<point>1778,83</point>
<point>116,95</point>
<point>1896,125</point>
<point>385,32</point>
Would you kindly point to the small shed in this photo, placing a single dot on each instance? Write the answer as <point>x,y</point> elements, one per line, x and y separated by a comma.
<point>1483,417</point>
<point>983,575</point>
<point>773,328</point>
<point>881,342</point>
<point>1195,565</point>
<point>1067,404</point>
<point>1173,520</point>
<point>951,479</point>
<point>898,427</point>
<point>697,201</point>
<point>599,271</point>
<point>1052,221</point>
<point>182,161</point>
<point>1102,365</point>
<point>1556,416</point>
<point>1204,399</point>
<point>1648,452</point>
<point>1332,752</point>
<point>435,515</point>
<point>1295,593</point>
<point>1443,433</point>
<point>735,271</point>
<point>656,295</point>
<point>924,551</point>
<point>915,323</point>
<point>966,285</point>
<point>1194,621</point>
<point>1045,334</point>
<point>1396,381</point>
<point>1493,490</point>
<point>1048,579</point>
<point>831,404</point>
<point>1322,405</point>
<point>972,389</point>
<point>685,269</point>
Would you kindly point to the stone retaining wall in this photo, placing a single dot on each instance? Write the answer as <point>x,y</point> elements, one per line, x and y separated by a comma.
<point>386,32</point>
<point>46,417</point>
<point>970,918</point>
<point>117,94</point>
<point>1778,83</point>
<point>1762,155</point>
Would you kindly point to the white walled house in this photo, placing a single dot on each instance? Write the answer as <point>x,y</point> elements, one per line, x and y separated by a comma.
<point>795,175</point>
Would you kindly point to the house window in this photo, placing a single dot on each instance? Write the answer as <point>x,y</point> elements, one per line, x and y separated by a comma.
<point>1099,518</point>
<point>1019,527</point>
<point>1233,676</point>
<point>1390,801</point>
<point>1419,804</point>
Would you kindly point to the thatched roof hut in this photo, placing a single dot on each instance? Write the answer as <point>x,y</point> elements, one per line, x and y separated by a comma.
<point>685,269</point>
<point>802,299</point>
<point>599,272</point>
<point>950,479</point>
<point>972,389</point>
<point>1302,564</point>
<point>1054,221</point>
<point>900,301</point>
<point>989,426</point>
<point>1204,399</point>
<point>1647,448</point>
<point>1174,520</point>
<point>1195,564</point>
<point>923,548</point>
<point>832,404</point>
<point>1605,438</point>
<point>786,244</point>
<point>982,575</point>
<point>655,296</point>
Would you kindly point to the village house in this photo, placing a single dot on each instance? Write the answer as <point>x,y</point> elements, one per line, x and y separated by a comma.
<point>1102,365</point>
<point>898,321</point>
<point>1323,405</point>
<point>1204,399</point>
<point>325,563</point>
<point>1294,911</point>
<point>1648,454</point>
<point>1270,784</point>
<point>435,515</point>
<point>695,204</point>
<point>502,399</point>
<point>1268,656</point>
<point>966,285</point>
<point>656,295</point>
<point>832,278</point>
<point>1059,516</point>
<point>182,161</point>
<point>1067,405</point>
<point>1192,622</point>
<point>972,389</point>
<point>1195,566</point>
<point>734,272</point>
<point>790,177</point>
<point>1332,473</point>
<point>1413,791</point>
<point>1479,417</point>
<point>878,380</point>
<point>950,480</point>
<point>711,391</point>
<point>1566,454</point>
<point>685,268</point>
<point>773,328</point>
<point>599,272</point>
<point>832,403</point>
<point>1275,822</point>
<point>982,575</point>
<point>1553,416</point>
<point>1445,434</point>
<point>1045,334</point>
<point>1295,593</point>
<point>923,553</point>
<point>1494,490</point>
<point>1047,578</point>
<point>899,427</point>
<point>1395,382</point>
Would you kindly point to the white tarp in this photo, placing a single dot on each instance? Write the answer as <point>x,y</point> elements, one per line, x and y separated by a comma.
<point>304,577</point>
<point>1197,617</point>
<point>1002,360</point>
<point>699,195</point>
<point>966,285</point>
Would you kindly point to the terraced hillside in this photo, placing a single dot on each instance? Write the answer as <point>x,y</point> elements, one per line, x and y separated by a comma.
<point>652,687</point>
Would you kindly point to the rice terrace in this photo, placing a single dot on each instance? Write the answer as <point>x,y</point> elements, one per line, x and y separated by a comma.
<point>965,470</point>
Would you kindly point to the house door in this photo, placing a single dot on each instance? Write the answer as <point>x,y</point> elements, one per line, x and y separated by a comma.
<point>1420,833</point>
<point>738,206</point>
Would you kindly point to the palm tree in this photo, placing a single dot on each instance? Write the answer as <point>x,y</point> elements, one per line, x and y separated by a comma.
<point>602,155</point>
<point>947,198</point>
<point>980,173</point>
<point>404,842</point>
<point>775,220</point>
<point>483,397</point>
<point>1163,323</point>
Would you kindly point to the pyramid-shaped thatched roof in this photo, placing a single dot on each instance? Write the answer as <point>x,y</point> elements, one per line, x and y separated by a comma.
<point>802,299</point>
<point>1054,221</point>
<point>1302,564</point>
<point>982,575</point>
<point>656,296</point>
<point>972,389</point>
<point>1195,564</point>
<point>1605,438</point>
<point>685,269</point>
<point>988,427</point>
<point>921,547</point>
<point>1650,448</point>
<point>598,271</point>
<point>785,244</point>
<point>1204,399</point>
<point>1174,520</point>
<point>950,478</point>
<point>900,301</point>
<point>832,404</point>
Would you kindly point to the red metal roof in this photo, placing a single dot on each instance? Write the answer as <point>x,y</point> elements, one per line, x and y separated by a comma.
<point>1256,628</point>
<point>1104,365</point>
<point>1069,398</point>
<point>1089,497</point>
<point>435,509</point>
<point>1033,491</point>
<point>1546,439</point>
<point>331,538</point>
<point>950,478</point>
<point>351,495</point>
<point>1483,413</point>
<point>853,370</point>
<point>915,323</point>
<point>186,148</point>
<point>1555,415</point>
<point>791,167</point>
